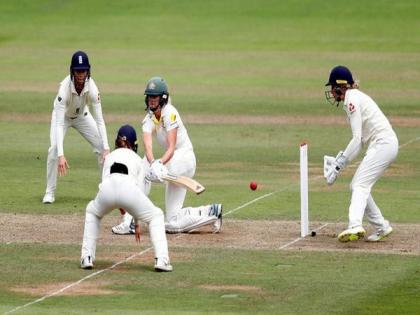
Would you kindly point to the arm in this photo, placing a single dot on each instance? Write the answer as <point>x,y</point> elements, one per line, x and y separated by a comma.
<point>98,116</point>
<point>171,140</point>
<point>60,109</point>
<point>355,144</point>
<point>148,146</point>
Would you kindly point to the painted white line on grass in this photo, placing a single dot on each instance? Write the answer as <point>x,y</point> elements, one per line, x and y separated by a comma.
<point>79,281</point>
<point>409,142</point>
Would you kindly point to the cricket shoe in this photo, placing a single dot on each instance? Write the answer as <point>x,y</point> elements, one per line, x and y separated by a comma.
<point>162,265</point>
<point>48,198</point>
<point>380,234</point>
<point>124,229</point>
<point>352,234</point>
<point>86,262</point>
<point>216,209</point>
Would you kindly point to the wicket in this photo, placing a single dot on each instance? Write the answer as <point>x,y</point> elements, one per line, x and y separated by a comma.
<point>304,211</point>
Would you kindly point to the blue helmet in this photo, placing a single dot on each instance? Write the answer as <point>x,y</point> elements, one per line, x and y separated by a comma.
<point>340,80</point>
<point>340,75</point>
<point>79,61</point>
<point>128,134</point>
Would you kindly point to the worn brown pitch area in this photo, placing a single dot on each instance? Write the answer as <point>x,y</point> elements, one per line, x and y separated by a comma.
<point>236,234</point>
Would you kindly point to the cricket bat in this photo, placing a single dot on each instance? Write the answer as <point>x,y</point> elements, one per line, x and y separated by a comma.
<point>187,182</point>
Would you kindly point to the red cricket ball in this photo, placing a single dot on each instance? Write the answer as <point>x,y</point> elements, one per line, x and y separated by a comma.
<point>253,185</point>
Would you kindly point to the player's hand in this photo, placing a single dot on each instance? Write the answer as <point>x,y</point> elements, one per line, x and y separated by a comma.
<point>157,171</point>
<point>138,232</point>
<point>62,165</point>
<point>332,173</point>
<point>104,154</point>
<point>328,161</point>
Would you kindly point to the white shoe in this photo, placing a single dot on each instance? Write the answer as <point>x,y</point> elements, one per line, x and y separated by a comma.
<point>163,265</point>
<point>216,209</point>
<point>380,234</point>
<point>352,234</point>
<point>86,262</point>
<point>124,229</point>
<point>48,198</point>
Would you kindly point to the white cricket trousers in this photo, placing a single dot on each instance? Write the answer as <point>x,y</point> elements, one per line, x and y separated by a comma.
<point>86,126</point>
<point>379,156</point>
<point>119,191</point>
<point>179,219</point>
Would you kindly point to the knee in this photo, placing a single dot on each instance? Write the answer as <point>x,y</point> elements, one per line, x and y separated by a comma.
<point>359,187</point>
<point>158,217</point>
<point>92,209</point>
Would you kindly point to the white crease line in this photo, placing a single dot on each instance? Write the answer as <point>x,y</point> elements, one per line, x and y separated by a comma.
<point>301,238</point>
<point>148,249</point>
<point>79,281</point>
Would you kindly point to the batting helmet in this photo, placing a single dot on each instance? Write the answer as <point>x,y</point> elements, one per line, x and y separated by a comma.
<point>128,134</point>
<point>157,86</point>
<point>340,75</point>
<point>79,61</point>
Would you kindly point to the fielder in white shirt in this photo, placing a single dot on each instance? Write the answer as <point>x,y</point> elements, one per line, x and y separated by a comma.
<point>123,186</point>
<point>76,92</point>
<point>370,127</point>
<point>163,120</point>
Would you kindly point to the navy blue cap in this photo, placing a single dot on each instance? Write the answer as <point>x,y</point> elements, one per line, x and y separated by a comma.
<point>128,133</point>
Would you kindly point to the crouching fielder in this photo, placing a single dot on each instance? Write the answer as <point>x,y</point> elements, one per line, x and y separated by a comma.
<point>123,187</point>
<point>370,127</point>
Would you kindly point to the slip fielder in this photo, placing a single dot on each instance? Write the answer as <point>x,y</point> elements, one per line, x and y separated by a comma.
<point>71,109</point>
<point>369,127</point>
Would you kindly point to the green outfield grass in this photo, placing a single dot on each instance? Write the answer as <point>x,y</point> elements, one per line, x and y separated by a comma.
<point>229,58</point>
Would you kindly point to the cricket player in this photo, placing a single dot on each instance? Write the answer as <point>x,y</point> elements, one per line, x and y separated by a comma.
<point>71,109</point>
<point>123,184</point>
<point>369,127</point>
<point>163,120</point>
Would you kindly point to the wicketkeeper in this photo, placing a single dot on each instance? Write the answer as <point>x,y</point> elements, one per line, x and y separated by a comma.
<point>370,127</point>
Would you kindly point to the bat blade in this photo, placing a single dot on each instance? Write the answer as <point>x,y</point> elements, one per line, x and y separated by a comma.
<point>186,182</point>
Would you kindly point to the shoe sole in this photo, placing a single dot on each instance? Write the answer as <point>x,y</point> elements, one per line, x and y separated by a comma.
<point>351,237</point>
<point>382,237</point>
<point>87,267</point>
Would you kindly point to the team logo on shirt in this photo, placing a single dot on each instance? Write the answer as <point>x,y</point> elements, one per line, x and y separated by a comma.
<point>59,98</point>
<point>173,117</point>
<point>351,108</point>
<point>99,97</point>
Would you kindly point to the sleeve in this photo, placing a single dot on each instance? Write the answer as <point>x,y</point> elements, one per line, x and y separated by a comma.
<point>97,113</point>
<point>355,118</point>
<point>60,103</point>
<point>171,119</point>
<point>147,125</point>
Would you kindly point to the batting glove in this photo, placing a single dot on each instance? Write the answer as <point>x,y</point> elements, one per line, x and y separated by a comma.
<point>157,171</point>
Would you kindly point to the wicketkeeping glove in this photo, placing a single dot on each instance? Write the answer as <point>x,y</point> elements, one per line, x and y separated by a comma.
<point>332,167</point>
